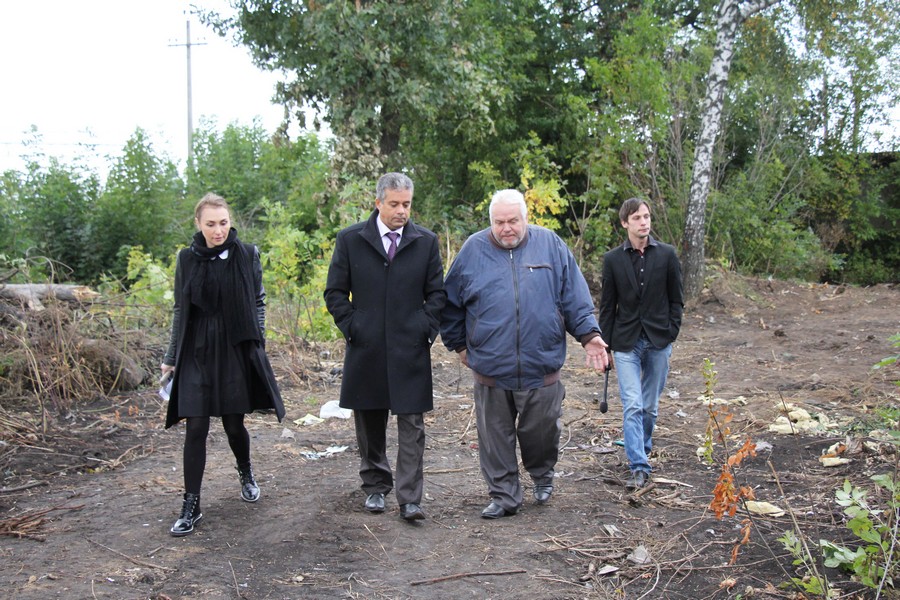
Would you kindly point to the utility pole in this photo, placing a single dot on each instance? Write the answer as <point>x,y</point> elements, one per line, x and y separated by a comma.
<point>190,108</point>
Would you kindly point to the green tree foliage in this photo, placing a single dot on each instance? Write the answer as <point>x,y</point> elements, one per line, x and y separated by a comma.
<point>50,208</point>
<point>856,46</point>
<point>142,205</point>
<point>578,103</point>
<point>638,128</point>
<point>610,94</point>
<point>854,203</point>
<point>246,165</point>
<point>295,265</point>
<point>230,163</point>
<point>369,67</point>
<point>12,219</point>
<point>433,86</point>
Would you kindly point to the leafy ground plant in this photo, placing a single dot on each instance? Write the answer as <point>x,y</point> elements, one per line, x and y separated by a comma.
<point>873,562</point>
<point>727,496</point>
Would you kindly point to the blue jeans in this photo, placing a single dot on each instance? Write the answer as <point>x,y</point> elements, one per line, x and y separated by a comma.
<point>642,376</point>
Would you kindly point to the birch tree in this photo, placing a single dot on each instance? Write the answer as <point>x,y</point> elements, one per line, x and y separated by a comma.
<point>731,15</point>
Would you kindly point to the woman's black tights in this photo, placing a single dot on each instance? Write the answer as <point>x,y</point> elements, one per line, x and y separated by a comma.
<point>196,430</point>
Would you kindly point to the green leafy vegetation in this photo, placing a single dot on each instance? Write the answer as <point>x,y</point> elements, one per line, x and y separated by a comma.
<point>580,105</point>
<point>874,560</point>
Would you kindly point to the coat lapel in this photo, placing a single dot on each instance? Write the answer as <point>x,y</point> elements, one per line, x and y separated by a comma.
<point>410,234</point>
<point>370,234</point>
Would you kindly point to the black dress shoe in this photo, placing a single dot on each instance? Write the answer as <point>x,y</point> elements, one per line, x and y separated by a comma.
<point>411,512</point>
<point>375,503</point>
<point>637,480</point>
<point>542,493</point>
<point>495,511</point>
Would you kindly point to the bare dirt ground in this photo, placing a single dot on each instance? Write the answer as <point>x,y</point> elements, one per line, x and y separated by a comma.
<point>85,510</point>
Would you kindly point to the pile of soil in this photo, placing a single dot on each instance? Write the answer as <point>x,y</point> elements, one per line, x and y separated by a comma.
<point>85,508</point>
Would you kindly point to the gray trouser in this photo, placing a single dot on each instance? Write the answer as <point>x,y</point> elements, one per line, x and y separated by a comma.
<point>538,412</point>
<point>374,466</point>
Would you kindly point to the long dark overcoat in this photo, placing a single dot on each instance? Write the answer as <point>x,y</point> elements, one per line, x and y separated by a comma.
<point>264,395</point>
<point>389,313</point>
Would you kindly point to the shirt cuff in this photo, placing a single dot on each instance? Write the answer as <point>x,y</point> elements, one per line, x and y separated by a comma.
<point>588,337</point>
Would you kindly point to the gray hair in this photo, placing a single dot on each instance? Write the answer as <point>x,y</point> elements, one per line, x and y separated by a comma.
<point>392,181</point>
<point>509,197</point>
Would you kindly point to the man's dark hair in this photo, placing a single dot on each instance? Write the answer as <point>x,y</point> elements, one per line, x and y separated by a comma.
<point>631,206</point>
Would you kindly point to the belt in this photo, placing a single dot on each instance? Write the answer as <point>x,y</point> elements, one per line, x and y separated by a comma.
<point>549,379</point>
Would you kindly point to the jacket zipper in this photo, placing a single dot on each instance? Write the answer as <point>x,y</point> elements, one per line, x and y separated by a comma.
<point>512,264</point>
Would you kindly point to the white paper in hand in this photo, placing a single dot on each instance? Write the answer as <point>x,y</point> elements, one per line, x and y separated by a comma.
<point>166,388</point>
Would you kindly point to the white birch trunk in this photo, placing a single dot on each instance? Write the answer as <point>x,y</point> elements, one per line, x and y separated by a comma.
<point>731,14</point>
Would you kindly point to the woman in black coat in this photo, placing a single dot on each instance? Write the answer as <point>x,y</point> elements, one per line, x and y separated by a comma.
<point>216,354</point>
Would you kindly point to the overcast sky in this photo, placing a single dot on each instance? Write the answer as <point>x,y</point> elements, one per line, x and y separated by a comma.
<point>92,71</point>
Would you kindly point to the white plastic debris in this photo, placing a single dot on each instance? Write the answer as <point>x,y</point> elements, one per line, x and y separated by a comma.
<point>332,409</point>
<point>328,452</point>
<point>764,508</point>
<point>308,419</point>
<point>639,556</point>
<point>834,461</point>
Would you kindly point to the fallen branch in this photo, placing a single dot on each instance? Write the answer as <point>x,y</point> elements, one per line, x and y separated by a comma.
<point>445,471</point>
<point>25,525</point>
<point>237,589</point>
<point>19,488</point>
<point>600,549</point>
<point>663,480</point>
<point>469,422</point>
<point>644,490</point>
<point>31,294</point>
<point>377,540</point>
<point>635,498</point>
<point>136,561</point>
<point>462,575</point>
<point>117,462</point>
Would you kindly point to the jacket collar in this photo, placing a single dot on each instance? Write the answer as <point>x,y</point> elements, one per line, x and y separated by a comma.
<point>496,244</point>
<point>370,233</point>
<point>651,242</point>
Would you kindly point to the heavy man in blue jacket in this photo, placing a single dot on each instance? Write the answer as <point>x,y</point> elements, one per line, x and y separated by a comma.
<point>640,311</point>
<point>513,292</point>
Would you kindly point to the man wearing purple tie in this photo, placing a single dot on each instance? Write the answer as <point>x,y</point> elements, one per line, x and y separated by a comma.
<point>385,290</point>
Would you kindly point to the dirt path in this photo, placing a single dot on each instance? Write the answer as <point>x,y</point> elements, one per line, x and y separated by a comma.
<point>112,484</point>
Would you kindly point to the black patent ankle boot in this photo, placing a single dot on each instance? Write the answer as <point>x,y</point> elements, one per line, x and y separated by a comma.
<point>249,489</point>
<point>190,516</point>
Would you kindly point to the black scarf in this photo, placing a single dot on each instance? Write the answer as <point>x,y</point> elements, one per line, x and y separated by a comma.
<point>234,289</point>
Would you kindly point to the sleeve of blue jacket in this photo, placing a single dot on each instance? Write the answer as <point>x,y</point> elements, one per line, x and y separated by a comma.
<point>453,318</point>
<point>576,303</point>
